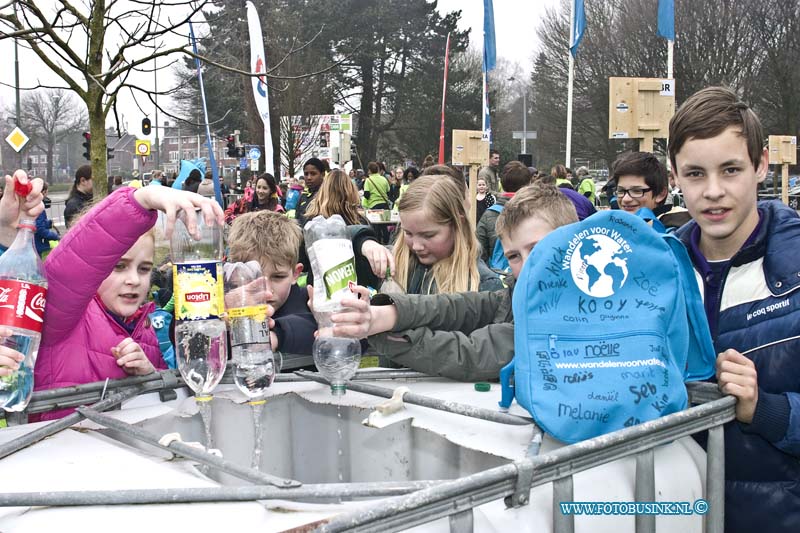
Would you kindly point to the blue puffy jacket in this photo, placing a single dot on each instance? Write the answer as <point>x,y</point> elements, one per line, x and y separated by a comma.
<point>758,314</point>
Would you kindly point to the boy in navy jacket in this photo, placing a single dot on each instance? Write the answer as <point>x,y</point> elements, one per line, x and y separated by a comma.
<point>745,258</point>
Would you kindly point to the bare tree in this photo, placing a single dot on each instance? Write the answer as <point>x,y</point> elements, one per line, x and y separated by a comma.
<point>50,116</point>
<point>95,48</point>
<point>716,44</point>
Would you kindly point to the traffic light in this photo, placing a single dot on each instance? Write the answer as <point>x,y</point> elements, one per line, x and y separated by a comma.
<point>146,126</point>
<point>232,152</point>
<point>87,145</point>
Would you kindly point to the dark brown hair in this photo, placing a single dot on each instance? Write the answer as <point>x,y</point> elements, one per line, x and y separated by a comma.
<point>642,164</point>
<point>709,112</point>
<point>515,176</point>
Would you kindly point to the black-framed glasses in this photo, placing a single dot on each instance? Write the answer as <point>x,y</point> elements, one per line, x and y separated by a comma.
<point>635,192</point>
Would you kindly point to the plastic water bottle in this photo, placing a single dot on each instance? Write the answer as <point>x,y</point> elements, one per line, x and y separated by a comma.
<point>254,363</point>
<point>200,333</point>
<point>331,254</point>
<point>390,286</point>
<point>23,292</point>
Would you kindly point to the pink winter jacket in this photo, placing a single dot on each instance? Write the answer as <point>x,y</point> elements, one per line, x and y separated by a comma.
<point>78,333</point>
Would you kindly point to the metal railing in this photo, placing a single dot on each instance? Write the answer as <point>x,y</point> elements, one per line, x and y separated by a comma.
<point>402,504</point>
<point>457,498</point>
<point>56,212</point>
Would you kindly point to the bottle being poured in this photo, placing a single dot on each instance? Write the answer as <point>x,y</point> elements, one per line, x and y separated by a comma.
<point>200,332</point>
<point>331,254</point>
<point>23,291</point>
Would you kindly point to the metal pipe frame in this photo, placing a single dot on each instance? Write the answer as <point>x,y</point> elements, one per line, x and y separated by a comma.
<point>432,403</point>
<point>322,491</point>
<point>66,397</point>
<point>54,427</point>
<point>428,500</point>
<point>184,450</point>
<point>398,513</point>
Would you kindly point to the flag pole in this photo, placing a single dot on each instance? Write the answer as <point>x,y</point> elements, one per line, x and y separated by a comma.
<point>444,94</point>
<point>670,57</point>
<point>570,80</point>
<point>211,159</point>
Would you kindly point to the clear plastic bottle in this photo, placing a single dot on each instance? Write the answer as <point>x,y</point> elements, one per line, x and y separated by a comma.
<point>331,254</point>
<point>254,363</point>
<point>23,292</point>
<point>390,286</point>
<point>200,333</point>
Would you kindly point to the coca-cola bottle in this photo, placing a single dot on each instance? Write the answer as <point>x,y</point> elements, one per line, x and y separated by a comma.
<point>23,290</point>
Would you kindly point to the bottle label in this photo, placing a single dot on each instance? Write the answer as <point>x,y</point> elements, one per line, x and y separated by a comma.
<point>339,277</point>
<point>198,291</point>
<point>335,258</point>
<point>256,312</point>
<point>22,304</point>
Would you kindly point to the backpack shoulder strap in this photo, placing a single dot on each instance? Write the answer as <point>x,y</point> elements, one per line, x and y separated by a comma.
<point>646,214</point>
<point>497,208</point>
<point>701,360</point>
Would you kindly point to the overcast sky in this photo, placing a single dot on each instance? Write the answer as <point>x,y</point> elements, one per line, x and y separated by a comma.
<point>515,21</point>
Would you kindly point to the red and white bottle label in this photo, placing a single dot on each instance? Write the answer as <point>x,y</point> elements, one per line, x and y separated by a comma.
<point>22,304</point>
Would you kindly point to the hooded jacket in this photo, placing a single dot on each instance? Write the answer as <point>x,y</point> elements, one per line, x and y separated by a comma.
<point>467,336</point>
<point>79,332</point>
<point>757,312</point>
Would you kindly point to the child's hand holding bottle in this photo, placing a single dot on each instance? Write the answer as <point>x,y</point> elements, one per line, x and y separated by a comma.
<point>10,359</point>
<point>28,203</point>
<point>172,201</point>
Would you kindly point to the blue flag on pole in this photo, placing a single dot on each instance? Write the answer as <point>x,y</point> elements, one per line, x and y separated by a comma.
<point>578,27</point>
<point>489,47</point>
<point>212,161</point>
<point>489,60</point>
<point>666,19</point>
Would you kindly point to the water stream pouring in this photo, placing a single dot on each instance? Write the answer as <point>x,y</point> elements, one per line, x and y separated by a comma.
<point>254,362</point>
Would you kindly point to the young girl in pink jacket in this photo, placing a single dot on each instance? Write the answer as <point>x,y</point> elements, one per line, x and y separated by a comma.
<point>96,320</point>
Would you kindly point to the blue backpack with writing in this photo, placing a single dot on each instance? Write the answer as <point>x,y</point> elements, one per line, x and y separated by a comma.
<point>608,325</point>
<point>498,259</point>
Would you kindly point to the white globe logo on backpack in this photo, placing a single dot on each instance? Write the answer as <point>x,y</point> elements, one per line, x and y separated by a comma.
<point>596,267</point>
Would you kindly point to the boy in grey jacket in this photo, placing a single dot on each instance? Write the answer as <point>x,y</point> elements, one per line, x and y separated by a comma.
<point>465,336</point>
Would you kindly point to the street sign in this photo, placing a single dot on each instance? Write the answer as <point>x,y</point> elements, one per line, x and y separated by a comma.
<point>243,163</point>
<point>528,134</point>
<point>254,165</point>
<point>142,147</point>
<point>17,139</point>
<point>254,153</point>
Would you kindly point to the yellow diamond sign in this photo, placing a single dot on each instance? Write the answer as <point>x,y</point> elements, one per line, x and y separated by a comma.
<point>17,139</point>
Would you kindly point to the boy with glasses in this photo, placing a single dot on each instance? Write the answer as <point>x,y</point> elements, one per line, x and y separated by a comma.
<point>641,182</point>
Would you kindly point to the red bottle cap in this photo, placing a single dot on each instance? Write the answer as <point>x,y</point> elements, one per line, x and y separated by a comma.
<point>22,189</point>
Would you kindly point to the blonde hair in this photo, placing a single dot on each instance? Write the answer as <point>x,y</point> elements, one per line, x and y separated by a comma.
<point>265,236</point>
<point>337,195</point>
<point>544,202</point>
<point>443,203</point>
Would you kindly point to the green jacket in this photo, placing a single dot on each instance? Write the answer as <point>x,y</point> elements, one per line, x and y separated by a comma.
<point>376,191</point>
<point>465,336</point>
<point>587,186</point>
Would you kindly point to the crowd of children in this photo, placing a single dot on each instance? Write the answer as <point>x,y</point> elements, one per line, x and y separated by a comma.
<point>456,318</point>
